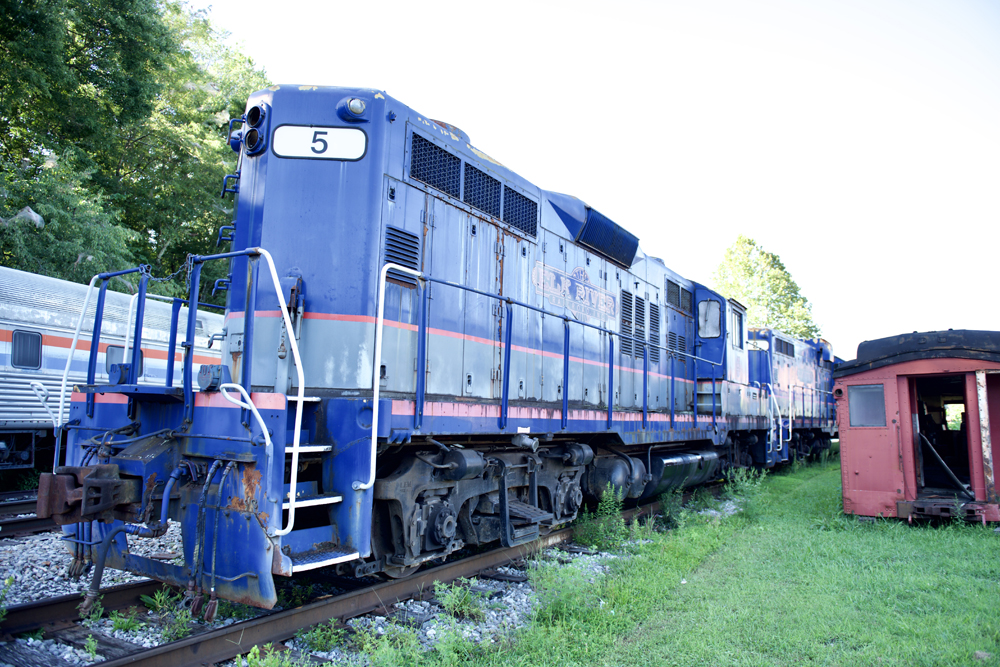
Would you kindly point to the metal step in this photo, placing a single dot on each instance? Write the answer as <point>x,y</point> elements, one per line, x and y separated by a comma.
<point>310,560</point>
<point>313,500</point>
<point>525,513</point>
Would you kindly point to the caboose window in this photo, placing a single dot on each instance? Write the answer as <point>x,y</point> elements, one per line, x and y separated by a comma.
<point>866,403</point>
<point>26,350</point>
<point>709,319</point>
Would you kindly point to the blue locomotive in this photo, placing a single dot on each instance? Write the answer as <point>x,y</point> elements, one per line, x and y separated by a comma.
<point>422,351</point>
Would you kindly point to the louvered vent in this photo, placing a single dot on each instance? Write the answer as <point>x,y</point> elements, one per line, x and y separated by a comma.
<point>639,316</point>
<point>626,330</point>
<point>673,294</point>
<point>435,166</point>
<point>402,248</point>
<point>685,300</point>
<point>608,238</point>
<point>681,344</point>
<point>672,341</point>
<point>520,212</point>
<point>482,191</point>
<point>654,333</point>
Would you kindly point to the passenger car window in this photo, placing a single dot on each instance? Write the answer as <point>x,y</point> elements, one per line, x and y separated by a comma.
<point>26,350</point>
<point>709,319</point>
<point>114,356</point>
<point>866,403</point>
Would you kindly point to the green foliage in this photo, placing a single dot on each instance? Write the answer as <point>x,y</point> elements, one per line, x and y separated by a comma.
<point>398,645</point>
<point>90,646</point>
<point>322,637</point>
<point>744,486</point>
<point>672,509</point>
<point>759,280</point>
<point>114,118</point>
<point>125,622</point>
<point>96,612</point>
<point>162,601</point>
<point>80,235</point>
<point>178,625</point>
<point>564,593</point>
<point>4,589</point>
<point>295,595</point>
<point>269,657</point>
<point>235,610</point>
<point>605,528</point>
<point>459,600</point>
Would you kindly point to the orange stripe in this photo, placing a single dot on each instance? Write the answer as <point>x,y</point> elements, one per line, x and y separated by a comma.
<point>368,319</point>
<point>83,345</point>
<point>263,401</point>
<point>492,410</point>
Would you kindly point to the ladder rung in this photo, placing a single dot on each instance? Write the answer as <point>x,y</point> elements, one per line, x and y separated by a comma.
<point>312,501</point>
<point>305,399</point>
<point>310,449</point>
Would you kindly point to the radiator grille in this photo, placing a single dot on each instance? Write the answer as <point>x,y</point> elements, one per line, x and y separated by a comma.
<point>520,212</point>
<point>639,317</point>
<point>626,330</point>
<point>685,300</point>
<point>482,191</point>
<point>435,166</point>
<point>402,248</point>
<point>654,333</point>
<point>673,294</point>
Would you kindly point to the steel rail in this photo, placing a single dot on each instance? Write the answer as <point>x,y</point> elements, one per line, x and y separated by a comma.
<point>62,611</point>
<point>25,525</point>
<point>19,506</point>
<point>231,641</point>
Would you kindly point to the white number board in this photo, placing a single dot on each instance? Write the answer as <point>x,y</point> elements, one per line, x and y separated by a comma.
<point>324,143</point>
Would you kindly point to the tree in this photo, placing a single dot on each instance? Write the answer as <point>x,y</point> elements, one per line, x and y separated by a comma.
<point>52,225</point>
<point>113,118</point>
<point>758,279</point>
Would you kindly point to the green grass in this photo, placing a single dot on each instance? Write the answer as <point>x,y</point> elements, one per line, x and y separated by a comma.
<point>791,581</point>
<point>804,584</point>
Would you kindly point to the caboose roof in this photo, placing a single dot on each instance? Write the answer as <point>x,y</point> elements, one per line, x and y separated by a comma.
<point>951,344</point>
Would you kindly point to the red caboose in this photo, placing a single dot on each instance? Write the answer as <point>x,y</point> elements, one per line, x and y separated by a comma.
<point>914,415</point>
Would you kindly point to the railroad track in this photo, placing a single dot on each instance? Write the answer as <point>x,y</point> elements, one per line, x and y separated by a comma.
<point>15,504</point>
<point>58,617</point>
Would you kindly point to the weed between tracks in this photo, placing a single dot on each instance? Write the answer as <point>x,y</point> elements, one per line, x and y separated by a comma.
<point>786,580</point>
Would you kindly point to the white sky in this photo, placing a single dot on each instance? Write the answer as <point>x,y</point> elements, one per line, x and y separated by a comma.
<point>858,140</point>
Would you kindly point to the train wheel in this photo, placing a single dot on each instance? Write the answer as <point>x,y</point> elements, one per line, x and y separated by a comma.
<point>394,572</point>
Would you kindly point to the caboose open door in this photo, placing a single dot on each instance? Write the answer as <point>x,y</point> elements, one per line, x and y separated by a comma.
<point>916,415</point>
<point>949,430</point>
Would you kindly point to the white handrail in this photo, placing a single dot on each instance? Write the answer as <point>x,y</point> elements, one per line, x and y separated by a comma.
<point>296,435</point>
<point>248,404</point>
<point>128,328</point>
<point>777,406</point>
<point>42,394</point>
<point>359,485</point>
<point>69,361</point>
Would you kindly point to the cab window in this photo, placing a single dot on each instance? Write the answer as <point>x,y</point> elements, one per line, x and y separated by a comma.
<point>709,319</point>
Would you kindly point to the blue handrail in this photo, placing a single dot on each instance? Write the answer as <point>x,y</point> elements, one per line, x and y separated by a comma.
<point>507,331</point>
